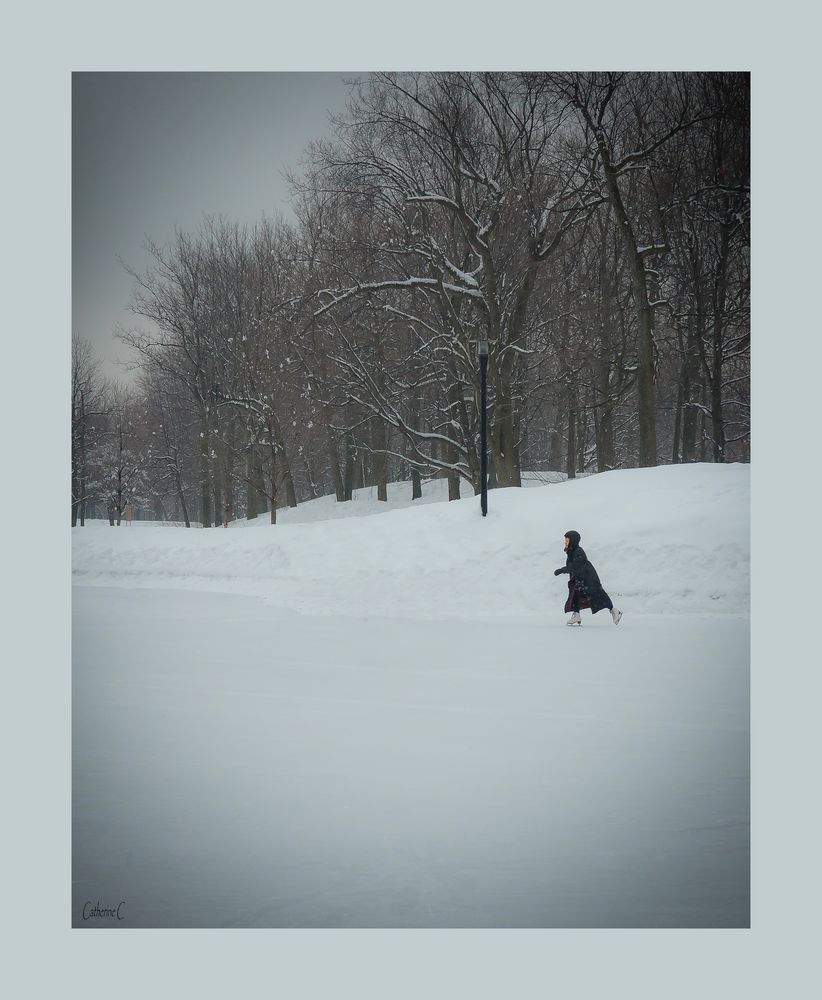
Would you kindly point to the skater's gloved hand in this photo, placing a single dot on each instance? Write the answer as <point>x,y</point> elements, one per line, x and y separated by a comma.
<point>557,572</point>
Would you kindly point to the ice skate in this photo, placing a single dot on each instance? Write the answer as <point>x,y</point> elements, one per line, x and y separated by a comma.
<point>616,615</point>
<point>575,619</point>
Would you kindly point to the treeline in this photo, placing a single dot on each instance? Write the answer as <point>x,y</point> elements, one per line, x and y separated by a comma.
<point>593,228</point>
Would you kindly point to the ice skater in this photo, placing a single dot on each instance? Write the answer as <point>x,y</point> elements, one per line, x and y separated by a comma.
<point>584,588</point>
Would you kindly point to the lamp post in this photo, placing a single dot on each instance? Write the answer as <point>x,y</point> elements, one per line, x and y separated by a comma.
<point>482,351</point>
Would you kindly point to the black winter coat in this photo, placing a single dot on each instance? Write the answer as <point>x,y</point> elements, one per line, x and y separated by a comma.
<point>584,582</point>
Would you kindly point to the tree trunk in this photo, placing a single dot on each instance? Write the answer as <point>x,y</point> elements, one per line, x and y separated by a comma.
<point>313,489</point>
<point>205,477</point>
<point>259,482</point>
<point>83,469</point>
<point>228,490</point>
<point>554,445</point>
<point>571,457</point>
<point>350,467</point>
<point>503,437</point>
<point>337,475</point>
<point>416,480</point>
<point>505,434</point>
<point>285,462</point>
<point>378,442</point>
<point>217,495</point>
<point>604,404</point>
<point>273,473</point>
<point>250,485</point>
<point>581,439</point>
<point>360,479</point>
<point>720,295</point>
<point>691,386</point>
<point>453,486</point>
<point>182,497</point>
<point>606,449</point>
<point>700,449</point>
<point>645,380</point>
<point>120,504</point>
<point>676,454</point>
<point>288,480</point>
<point>75,468</point>
<point>644,312</point>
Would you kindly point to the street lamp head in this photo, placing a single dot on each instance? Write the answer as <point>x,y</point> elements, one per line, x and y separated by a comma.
<point>482,348</point>
<point>468,393</point>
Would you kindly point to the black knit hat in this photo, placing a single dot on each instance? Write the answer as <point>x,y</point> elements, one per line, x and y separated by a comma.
<point>575,537</point>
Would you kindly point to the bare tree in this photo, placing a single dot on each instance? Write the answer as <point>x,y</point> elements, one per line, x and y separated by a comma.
<point>88,389</point>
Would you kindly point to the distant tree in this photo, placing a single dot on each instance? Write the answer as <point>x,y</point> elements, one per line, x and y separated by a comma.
<point>120,456</point>
<point>88,409</point>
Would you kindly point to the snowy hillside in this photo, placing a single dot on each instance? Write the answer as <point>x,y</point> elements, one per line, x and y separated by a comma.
<point>673,539</point>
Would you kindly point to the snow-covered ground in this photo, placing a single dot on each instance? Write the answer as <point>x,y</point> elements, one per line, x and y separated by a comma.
<point>667,540</point>
<point>383,721</point>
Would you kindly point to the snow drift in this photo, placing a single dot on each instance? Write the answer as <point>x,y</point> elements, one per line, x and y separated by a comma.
<point>671,539</point>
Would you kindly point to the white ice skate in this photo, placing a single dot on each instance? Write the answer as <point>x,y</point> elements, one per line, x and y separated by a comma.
<point>575,619</point>
<point>616,615</point>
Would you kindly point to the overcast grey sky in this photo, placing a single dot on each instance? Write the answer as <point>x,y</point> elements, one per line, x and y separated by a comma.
<point>155,150</point>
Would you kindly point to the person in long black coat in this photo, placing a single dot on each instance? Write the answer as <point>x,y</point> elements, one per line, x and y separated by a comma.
<point>584,587</point>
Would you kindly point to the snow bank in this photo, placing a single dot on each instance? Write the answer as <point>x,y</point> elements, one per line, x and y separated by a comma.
<point>673,539</point>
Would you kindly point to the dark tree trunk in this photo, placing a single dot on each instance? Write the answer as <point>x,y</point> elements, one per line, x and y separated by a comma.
<point>676,453</point>
<point>350,467</point>
<point>644,311</point>
<point>119,489</point>
<point>205,477</point>
<point>288,479</point>
<point>691,386</point>
<point>359,475</point>
<point>75,469</point>
<point>603,402</point>
<point>645,381</point>
<point>700,448</point>
<point>555,448</point>
<point>83,470</point>
<point>571,456</point>
<point>606,450</point>
<point>337,475</point>
<point>284,462</point>
<point>217,499</point>
<point>313,489</point>
<point>503,437</point>
<point>250,485</point>
<point>182,498</point>
<point>416,481</point>
<point>379,442</point>
<point>273,473</point>
<point>720,296</point>
<point>228,491</point>
<point>453,486</point>
<point>259,482</point>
